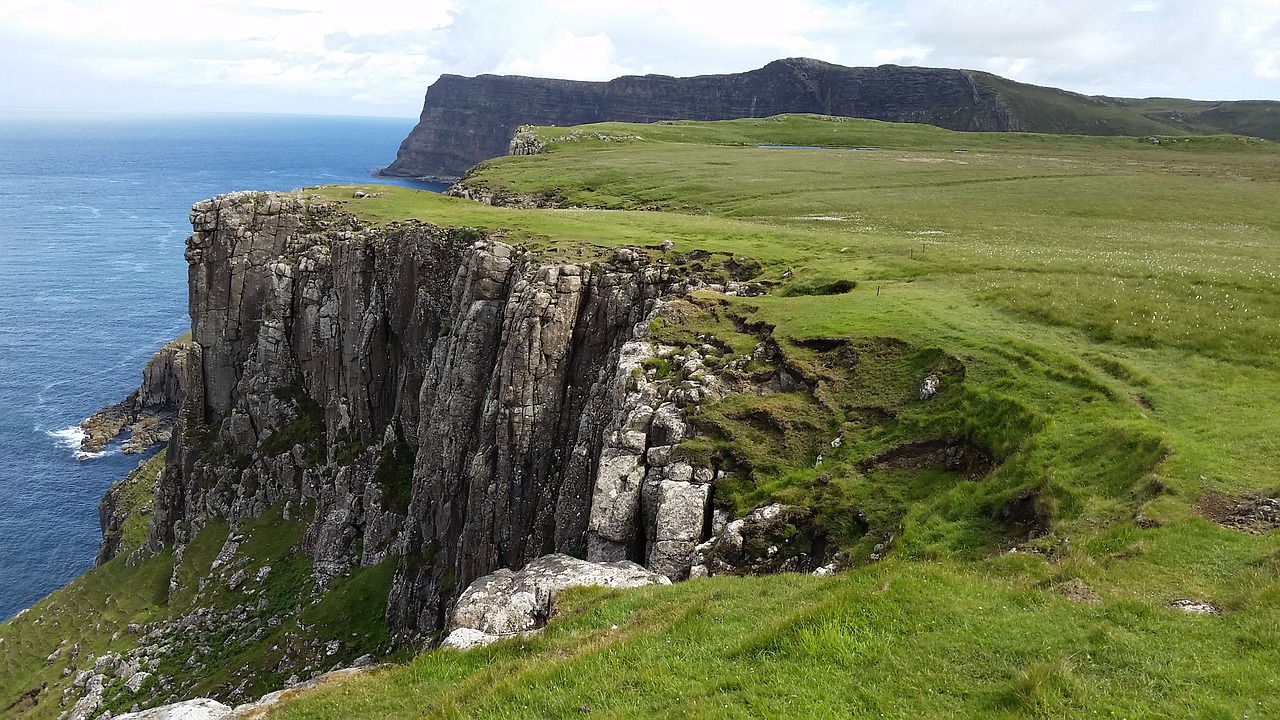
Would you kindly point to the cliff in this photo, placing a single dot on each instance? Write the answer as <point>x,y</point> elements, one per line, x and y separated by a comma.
<point>466,120</point>
<point>370,419</point>
<point>993,447</point>
<point>428,394</point>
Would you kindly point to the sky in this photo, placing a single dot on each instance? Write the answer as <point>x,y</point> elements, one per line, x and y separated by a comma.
<point>377,57</point>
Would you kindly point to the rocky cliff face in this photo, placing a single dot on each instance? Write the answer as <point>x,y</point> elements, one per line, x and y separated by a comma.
<point>466,120</point>
<point>424,394</point>
<point>147,414</point>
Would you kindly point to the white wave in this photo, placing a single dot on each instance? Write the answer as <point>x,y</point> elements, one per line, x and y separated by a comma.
<point>70,437</point>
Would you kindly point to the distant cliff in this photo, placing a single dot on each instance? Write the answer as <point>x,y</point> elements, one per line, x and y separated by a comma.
<point>467,120</point>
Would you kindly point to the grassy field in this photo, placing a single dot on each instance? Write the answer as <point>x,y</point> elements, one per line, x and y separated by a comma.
<point>1113,304</point>
<point>1104,315</point>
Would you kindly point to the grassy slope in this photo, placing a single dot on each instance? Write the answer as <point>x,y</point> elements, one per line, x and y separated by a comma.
<point>1259,118</point>
<point>897,640</point>
<point>1116,299</point>
<point>1054,110</point>
<point>92,615</point>
<point>81,619</point>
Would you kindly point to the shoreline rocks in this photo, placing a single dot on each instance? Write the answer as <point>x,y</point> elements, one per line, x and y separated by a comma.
<point>148,414</point>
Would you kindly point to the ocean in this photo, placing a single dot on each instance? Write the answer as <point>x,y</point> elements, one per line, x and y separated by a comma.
<point>93,223</point>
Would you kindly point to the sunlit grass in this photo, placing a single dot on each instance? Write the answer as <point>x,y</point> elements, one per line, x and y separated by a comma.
<point>1114,305</point>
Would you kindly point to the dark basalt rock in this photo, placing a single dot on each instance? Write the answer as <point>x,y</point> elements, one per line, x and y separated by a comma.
<point>147,414</point>
<point>422,393</point>
<point>467,120</point>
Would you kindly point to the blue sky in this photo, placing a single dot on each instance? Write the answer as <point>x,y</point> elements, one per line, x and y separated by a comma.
<point>373,57</point>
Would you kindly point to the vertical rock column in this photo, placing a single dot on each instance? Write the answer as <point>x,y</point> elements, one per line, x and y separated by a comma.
<point>514,405</point>
<point>647,507</point>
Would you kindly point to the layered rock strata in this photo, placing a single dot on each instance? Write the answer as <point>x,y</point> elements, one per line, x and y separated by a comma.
<point>148,413</point>
<point>425,394</point>
<point>467,120</point>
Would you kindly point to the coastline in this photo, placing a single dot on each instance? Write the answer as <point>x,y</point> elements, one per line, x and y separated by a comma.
<point>96,209</point>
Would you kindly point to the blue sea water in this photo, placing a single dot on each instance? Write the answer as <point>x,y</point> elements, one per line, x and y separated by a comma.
<point>93,222</point>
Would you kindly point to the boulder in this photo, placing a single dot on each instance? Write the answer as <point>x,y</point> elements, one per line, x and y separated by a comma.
<point>507,602</point>
<point>467,638</point>
<point>668,426</point>
<point>681,509</point>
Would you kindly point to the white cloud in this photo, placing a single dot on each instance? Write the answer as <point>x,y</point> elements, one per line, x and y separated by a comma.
<point>1177,47</point>
<point>1268,66</point>
<point>913,55</point>
<point>564,55</point>
<point>378,56</point>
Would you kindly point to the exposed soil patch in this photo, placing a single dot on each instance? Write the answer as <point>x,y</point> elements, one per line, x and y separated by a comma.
<point>763,420</point>
<point>808,287</point>
<point>742,269</point>
<point>1076,591</point>
<point>1251,513</point>
<point>1025,515</point>
<point>823,344</point>
<point>26,700</point>
<point>959,455</point>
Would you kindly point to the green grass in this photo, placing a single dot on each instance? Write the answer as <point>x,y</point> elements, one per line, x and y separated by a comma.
<point>87,613</point>
<point>899,641</point>
<point>1108,311</point>
<point>1244,117</point>
<point>134,502</point>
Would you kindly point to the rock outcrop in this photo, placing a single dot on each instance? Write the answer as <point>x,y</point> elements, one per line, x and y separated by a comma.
<point>467,120</point>
<point>209,709</point>
<point>147,414</point>
<point>506,603</point>
<point>762,543</point>
<point>426,394</point>
<point>197,709</point>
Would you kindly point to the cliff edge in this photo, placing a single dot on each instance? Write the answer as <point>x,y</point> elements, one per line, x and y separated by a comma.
<point>428,394</point>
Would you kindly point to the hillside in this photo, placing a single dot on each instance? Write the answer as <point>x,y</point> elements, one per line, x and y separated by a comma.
<point>1258,118</point>
<point>1016,389</point>
<point>467,120</point>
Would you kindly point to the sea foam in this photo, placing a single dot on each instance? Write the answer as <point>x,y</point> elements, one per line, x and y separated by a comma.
<point>71,437</point>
